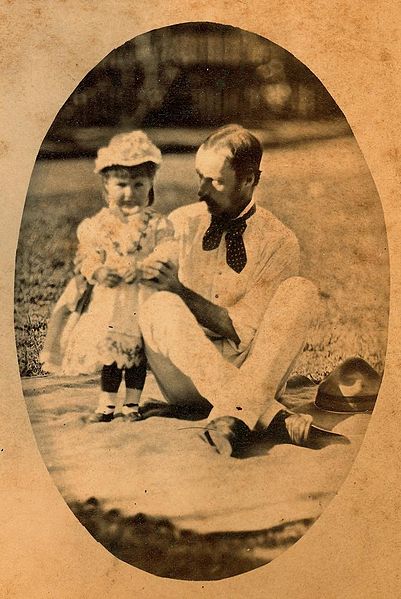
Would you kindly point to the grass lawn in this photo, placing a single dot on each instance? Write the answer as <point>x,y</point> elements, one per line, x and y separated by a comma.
<point>322,190</point>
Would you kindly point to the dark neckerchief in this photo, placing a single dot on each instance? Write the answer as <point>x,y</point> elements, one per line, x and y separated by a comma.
<point>235,248</point>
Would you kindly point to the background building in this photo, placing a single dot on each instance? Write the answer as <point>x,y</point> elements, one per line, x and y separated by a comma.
<point>195,75</point>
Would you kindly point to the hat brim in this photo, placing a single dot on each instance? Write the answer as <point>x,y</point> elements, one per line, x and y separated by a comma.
<point>332,422</point>
<point>344,405</point>
<point>100,166</point>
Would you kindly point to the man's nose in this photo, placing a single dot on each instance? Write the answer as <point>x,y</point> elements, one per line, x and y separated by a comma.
<point>203,187</point>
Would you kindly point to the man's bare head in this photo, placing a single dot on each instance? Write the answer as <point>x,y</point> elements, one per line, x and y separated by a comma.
<point>242,150</point>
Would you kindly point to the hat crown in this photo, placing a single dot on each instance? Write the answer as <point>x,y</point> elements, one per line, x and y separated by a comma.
<point>351,387</point>
<point>128,149</point>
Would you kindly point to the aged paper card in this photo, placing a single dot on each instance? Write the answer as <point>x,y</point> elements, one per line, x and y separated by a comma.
<point>354,49</point>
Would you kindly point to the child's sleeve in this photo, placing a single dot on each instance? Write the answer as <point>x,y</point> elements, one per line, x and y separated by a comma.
<point>90,256</point>
<point>164,230</point>
<point>166,247</point>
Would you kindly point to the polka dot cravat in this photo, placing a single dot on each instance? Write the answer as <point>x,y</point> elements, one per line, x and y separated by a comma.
<point>235,248</point>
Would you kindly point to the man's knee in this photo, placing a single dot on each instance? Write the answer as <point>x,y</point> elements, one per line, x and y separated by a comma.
<point>155,306</point>
<point>159,311</point>
<point>299,289</point>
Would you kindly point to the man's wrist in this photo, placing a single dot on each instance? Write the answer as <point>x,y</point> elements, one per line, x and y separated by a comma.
<point>181,290</point>
<point>97,274</point>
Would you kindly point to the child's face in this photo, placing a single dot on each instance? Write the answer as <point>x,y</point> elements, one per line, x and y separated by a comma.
<point>127,192</point>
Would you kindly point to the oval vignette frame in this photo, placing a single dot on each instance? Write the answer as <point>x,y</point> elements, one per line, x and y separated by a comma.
<point>328,180</point>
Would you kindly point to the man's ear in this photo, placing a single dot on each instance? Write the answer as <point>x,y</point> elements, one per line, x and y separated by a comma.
<point>249,179</point>
<point>252,178</point>
<point>104,190</point>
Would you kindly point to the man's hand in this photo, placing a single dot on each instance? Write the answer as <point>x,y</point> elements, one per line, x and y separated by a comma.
<point>298,426</point>
<point>162,276</point>
<point>107,277</point>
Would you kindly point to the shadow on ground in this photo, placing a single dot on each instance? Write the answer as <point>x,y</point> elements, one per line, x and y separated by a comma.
<point>158,547</point>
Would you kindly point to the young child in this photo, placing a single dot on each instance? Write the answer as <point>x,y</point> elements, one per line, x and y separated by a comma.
<point>100,305</point>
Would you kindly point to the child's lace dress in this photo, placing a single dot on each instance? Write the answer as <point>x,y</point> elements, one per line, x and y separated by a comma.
<point>108,331</point>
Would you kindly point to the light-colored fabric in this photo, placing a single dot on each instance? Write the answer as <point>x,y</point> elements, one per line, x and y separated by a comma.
<point>269,306</point>
<point>273,353</point>
<point>72,293</point>
<point>185,480</point>
<point>190,367</point>
<point>109,330</point>
<point>109,239</point>
<point>106,403</point>
<point>273,256</point>
<point>61,323</point>
<point>128,149</point>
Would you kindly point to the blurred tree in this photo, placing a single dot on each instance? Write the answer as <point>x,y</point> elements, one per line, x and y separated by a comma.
<point>195,74</point>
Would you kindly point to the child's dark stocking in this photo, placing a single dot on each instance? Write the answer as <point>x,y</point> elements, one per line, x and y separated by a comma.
<point>134,383</point>
<point>111,377</point>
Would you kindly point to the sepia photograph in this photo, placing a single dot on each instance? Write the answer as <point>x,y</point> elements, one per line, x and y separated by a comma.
<point>201,301</point>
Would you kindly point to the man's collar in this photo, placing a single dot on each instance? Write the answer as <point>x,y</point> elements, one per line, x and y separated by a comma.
<point>245,210</point>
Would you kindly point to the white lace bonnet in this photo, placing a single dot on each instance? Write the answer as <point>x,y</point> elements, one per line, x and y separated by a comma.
<point>128,149</point>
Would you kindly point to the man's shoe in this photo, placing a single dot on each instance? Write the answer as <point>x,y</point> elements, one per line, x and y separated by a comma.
<point>229,436</point>
<point>276,431</point>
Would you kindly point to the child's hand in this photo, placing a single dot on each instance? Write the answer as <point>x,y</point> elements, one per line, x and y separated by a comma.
<point>129,275</point>
<point>107,277</point>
